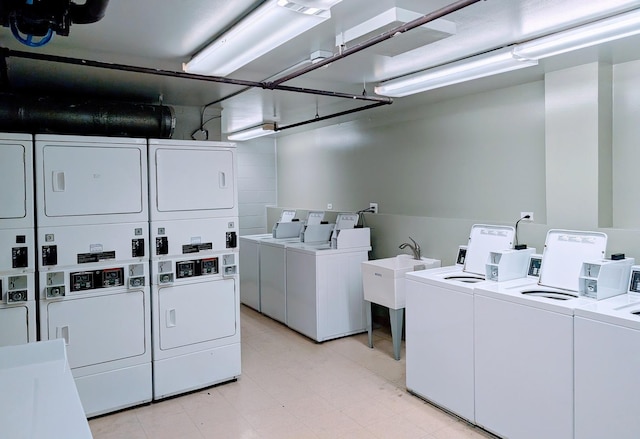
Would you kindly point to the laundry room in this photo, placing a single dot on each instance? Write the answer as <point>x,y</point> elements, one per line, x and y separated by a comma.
<point>378,220</point>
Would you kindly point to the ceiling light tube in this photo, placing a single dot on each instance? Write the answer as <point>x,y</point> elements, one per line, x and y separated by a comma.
<point>269,26</point>
<point>609,29</point>
<point>479,66</point>
<point>251,133</point>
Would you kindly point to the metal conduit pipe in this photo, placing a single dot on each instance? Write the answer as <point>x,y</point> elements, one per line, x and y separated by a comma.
<point>37,115</point>
<point>8,53</point>
<point>329,116</point>
<point>456,6</point>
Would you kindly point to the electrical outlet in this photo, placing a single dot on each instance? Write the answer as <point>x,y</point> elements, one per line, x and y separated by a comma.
<point>373,207</point>
<point>523,214</point>
<point>329,206</point>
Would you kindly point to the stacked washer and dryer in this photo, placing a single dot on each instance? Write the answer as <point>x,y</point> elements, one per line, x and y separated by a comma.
<point>17,241</point>
<point>194,283</point>
<point>92,230</point>
<point>96,199</point>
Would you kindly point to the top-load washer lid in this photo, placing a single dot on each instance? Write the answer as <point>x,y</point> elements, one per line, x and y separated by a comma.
<point>346,221</point>
<point>314,218</point>
<point>483,240</point>
<point>287,216</point>
<point>564,253</point>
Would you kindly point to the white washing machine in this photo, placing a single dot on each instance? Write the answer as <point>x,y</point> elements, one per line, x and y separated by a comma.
<point>325,299</point>
<point>439,324</point>
<point>607,387</point>
<point>17,241</point>
<point>93,235</point>
<point>273,260</point>
<point>273,277</point>
<point>194,257</point>
<point>524,343</point>
<point>249,254</point>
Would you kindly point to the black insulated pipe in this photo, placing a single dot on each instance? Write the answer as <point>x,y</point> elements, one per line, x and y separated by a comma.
<point>89,12</point>
<point>53,116</point>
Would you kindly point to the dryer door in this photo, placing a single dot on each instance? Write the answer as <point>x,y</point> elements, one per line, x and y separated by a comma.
<point>92,180</point>
<point>194,180</point>
<point>13,181</point>
<point>99,329</point>
<point>14,328</point>
<point>196,313</point>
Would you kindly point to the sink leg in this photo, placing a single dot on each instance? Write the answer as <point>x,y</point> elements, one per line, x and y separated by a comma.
<point>396,316</point>
<point>369,324</point>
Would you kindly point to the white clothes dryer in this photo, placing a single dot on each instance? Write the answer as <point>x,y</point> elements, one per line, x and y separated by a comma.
<point>194,257</point>
<point>103,313</point>
<point>524,343</point>
<point>192,180</point>
<point>439,324</point>
<point>196,321</point>
<point>17,241</point>
<point>83,180</point>
<point>93,263</point>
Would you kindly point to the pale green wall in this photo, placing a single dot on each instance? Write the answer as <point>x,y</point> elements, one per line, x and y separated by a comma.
<point>482,158</point>
<point>451,161</point>
<point>626,145</point>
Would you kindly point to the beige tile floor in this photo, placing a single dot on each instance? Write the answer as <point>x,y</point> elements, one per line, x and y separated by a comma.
<point>292,387</point>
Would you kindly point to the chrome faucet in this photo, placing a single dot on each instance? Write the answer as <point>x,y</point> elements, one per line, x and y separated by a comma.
<point>415,248</point>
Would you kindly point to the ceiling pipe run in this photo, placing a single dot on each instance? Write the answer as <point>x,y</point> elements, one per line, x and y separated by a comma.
<point>329,116</point>
<point>8,53</point>
<point>453,7</point>
<point>51,115</point>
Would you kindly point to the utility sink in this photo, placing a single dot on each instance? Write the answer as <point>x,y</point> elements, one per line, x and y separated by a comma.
<point>383,279</point>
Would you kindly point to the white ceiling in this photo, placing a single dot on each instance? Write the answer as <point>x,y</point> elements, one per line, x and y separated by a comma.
<point>163,34</point>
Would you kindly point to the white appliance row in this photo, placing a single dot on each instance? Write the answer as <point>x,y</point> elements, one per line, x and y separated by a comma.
<point>515,361</point>
<point>314,288</point>
<point>96,286</point>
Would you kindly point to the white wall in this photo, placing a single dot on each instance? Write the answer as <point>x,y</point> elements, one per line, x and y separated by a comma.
<point>480,158</point>
<point>626,145</point>
<point>256,183</point>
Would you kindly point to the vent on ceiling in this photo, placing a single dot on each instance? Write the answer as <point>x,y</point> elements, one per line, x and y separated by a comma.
<point>428,33</point>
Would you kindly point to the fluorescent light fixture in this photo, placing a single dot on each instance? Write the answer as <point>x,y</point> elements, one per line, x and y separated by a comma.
<point>479,66</point>
<point>609,29</point>
<point>269,26</point>
<point>251,133</point>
